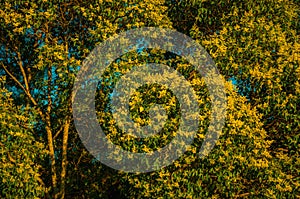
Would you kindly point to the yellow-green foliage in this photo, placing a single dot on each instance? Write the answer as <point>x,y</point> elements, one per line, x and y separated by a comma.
<point>239,164</point>
<point>19,152</point>
<point>259,47</point>
<point>255,43</point>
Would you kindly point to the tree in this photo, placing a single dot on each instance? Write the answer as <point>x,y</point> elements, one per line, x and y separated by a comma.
<point>42,46</point>
<point>261,58</point>
<point>20,151</point>
<point>239,165</point>
<point>258,47</point>
<point>255,45</point>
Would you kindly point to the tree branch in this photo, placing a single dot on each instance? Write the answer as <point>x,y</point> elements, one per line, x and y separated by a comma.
<point>58,132</point>
<point>19,60</point>
<point>19,83</point>
<point>13,77</point>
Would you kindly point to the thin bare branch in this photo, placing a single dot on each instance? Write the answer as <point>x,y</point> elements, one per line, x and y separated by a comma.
<point>13,77</point>
<point>19,60</point>
<point>19,83</point>
<point>58,132</point>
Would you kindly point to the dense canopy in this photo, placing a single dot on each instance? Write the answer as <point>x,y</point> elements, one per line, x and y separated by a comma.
<point>255,45</point>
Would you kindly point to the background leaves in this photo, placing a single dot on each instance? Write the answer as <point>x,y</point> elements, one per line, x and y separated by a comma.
<point>255,45</point>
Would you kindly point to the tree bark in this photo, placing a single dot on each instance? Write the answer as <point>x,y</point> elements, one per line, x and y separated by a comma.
<point>64,162</point>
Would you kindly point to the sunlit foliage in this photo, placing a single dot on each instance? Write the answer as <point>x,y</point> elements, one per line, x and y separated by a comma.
<point>255,45</point>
